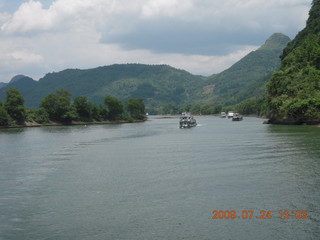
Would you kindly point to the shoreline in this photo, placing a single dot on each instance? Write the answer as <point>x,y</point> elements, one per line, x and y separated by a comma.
<point>74,123</point>
<point>288,121</point>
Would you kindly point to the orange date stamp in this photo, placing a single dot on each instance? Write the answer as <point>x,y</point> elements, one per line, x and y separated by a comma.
<point>261,214</point>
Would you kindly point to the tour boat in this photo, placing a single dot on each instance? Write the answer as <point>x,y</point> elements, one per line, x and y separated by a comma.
<point>223,115</point>
<point>187,120</point>
<point>237,117</point>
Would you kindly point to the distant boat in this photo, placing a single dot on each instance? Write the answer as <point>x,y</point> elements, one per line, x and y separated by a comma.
<point>237,117</point>
<point>230,114</point>
<point>187,120</point>
<point>223,115</point>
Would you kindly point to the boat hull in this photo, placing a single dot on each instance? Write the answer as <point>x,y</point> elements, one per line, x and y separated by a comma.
<point>237,118</point>
<point>187,121</point>
<point>187,124</point>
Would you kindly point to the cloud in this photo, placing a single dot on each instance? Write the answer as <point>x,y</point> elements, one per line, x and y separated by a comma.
<point>202,36</point>
<point>208,27</point>
<point>170,8</point>
<point>25,57</point>
<point>31,16</point>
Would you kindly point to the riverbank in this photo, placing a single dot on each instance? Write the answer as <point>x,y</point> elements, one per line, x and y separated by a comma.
<point>289,121</point>
<point>73,123</point>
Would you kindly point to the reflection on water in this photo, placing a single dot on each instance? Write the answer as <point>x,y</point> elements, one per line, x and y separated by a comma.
<point>153,180</point>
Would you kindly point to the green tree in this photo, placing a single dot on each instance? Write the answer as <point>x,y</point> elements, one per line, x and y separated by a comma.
<point>4,116</point>
<point>114,107</point>
<point>196,109</point>
<point>251,106</point>
<point>58,106</point>
<point>15,105</point>
<point>41,116</point>
<point>170,108</point>
<point>136,108</point>
<point>207,109</point>
<point>293,93</point>
<point>83,108</point>
<point>217,108</point>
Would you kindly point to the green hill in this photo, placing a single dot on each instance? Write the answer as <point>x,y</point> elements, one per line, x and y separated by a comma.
<point>161,86</point>
<point>293,93</point>
<point>247,77</point>
<point>156,84</point>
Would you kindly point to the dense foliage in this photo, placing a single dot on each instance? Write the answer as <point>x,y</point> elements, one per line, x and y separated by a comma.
<point>14,105</point>
<point>255,106</point>
<point>4,116</point>
<point>135,107</point>
<point>59,107</point>
<point>293,93</point>
<point>84,109</point>
<point>114,107</point>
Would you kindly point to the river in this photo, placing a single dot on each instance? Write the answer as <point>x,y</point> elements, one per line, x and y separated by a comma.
<point>152,180</point>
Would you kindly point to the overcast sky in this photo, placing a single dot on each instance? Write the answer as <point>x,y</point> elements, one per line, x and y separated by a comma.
<point>200,36</point>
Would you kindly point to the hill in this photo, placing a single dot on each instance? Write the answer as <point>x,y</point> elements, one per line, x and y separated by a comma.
<point>156,84</point>
<point>293,93</point>
<point>2,84</point>
<point>247,77</point>
<point>161,86</point>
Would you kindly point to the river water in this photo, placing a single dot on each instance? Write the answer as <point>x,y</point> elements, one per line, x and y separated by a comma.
<point>153,180</point>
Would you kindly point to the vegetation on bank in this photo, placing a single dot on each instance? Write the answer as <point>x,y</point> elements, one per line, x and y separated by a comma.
<point>58,107</point>
<point>251,106</point>
<point>293,93</point>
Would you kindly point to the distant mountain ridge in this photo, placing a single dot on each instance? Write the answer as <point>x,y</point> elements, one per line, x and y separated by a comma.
<point>2,84</point>
<point>156,84</point>
<point>247,77</point>
<point>160,85</point>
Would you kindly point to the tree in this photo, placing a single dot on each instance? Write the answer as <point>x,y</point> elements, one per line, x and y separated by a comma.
<point>41,116</point>
<point>293,93</point>
<point>4,116</point>
<point>251,106</point>
<point>136,108</point>
<point>83,108</point>
<point>58,106</point>
<point>170,108</point>
<point>217,108</point>
<point>207,109</point>
<point>14,105</point>
<point>114,107</point>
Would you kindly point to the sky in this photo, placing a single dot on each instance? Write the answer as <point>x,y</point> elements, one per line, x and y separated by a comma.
<point>200,36</point>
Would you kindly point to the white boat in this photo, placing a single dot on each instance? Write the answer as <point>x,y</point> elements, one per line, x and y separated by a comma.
<point>223,115</point>
<point>237,117</point>
<point>187,120</point>
<point>230,114</point>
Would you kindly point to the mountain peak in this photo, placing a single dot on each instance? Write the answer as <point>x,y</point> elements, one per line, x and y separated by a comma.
<point>17,78</point>
<point>276,41</point>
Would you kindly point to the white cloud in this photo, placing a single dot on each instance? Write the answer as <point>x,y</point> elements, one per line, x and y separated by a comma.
<point>30,16</point>
<point>25,57</point>
<point>171,8</point>
<point>202,36</point>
